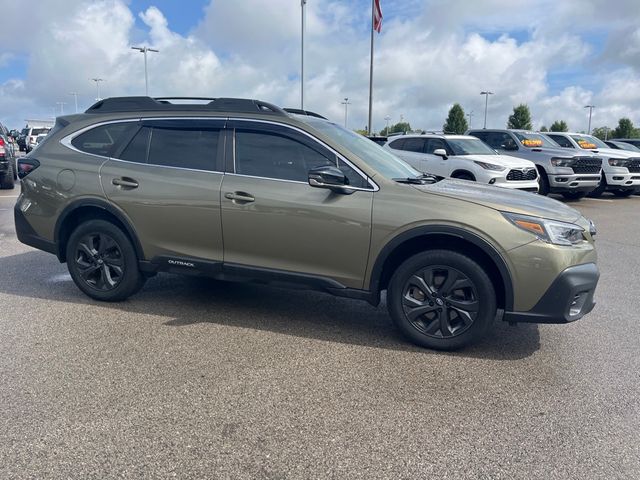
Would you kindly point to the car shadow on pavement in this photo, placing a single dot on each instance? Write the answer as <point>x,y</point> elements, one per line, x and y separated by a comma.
<point>301,313</point>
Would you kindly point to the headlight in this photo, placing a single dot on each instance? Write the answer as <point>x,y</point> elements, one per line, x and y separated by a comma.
<point>550,231</point>
<point>490,166</point>
<point>561,162</point>
<point>618,162</point>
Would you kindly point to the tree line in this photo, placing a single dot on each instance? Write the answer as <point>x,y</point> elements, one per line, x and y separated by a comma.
<point>456,123</point>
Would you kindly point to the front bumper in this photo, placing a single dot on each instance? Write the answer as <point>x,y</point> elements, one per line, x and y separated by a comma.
<point>528,185</point>
<point>577,182</point>
<point>569,298</point>
<point>622,181</point>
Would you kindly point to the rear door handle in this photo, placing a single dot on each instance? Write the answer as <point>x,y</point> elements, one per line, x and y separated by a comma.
<point>125,182</point>
<point>240,197</point>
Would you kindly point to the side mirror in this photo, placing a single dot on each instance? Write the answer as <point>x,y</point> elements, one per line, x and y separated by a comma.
<point>441,152</point>
<point>329,177</point>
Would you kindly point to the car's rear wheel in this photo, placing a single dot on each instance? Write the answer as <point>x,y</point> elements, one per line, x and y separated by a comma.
<point>623,193</point>
<point>7,182</point>
<point>102,261</point>
<point>573,195</point>
<point>441,299</point>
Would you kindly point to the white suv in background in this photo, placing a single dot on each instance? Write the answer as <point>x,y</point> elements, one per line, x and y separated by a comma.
<point>620,168</point>
<point>464,157</point>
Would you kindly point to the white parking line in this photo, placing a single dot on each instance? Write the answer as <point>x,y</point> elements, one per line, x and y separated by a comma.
<point>599,200</point>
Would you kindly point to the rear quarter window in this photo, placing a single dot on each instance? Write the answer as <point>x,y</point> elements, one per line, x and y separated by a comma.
<point>102,139</point>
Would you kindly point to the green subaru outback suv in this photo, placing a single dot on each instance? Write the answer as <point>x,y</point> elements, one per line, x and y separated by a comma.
<point>243,190</point>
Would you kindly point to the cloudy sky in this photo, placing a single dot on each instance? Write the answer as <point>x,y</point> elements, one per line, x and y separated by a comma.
<point>556,56</point>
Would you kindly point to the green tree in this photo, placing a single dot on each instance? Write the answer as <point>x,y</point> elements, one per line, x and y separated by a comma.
<point>362,132</point>
<point>624,129</point>
<point>544,129</point>
<point>399,128</point>
<point>559,126</point>
<point>602,133</point>
<point>520,118</point>
<point>456,120</point>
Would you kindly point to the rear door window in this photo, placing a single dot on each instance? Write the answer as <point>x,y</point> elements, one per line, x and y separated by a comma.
<point>192,147</point>
<point>414,145</point>
<point>138,147</point>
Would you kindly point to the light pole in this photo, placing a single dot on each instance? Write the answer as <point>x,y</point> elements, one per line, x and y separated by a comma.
<point>62,104</point>
<point>387,118</point>
<point>303,4</point>
<point>590,107</point>
<point>97,80</point>
<point>486,104</point>
<point>144,51</point>
<point>75,98</point>
<point>346,104</point>
<point>470,114</point>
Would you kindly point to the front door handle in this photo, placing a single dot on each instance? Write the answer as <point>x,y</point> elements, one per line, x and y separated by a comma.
<point>240,197</point>
<point>125,182</point>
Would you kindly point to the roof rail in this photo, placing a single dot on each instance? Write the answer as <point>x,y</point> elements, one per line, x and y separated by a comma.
<point>299,111</point>
<point>134,104</point>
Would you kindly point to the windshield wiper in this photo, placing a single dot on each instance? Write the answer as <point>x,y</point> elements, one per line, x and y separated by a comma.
<point>425,178</point>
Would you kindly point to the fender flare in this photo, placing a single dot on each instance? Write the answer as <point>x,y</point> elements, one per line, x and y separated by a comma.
<point>107,207</point>
<point>429,230</point>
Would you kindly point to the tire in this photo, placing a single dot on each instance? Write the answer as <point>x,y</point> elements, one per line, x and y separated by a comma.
<point>543,183</point>
<point>600,189</point>
<point>7,182</point>
<point>420,285</point>
<point>465,176</point>
<point>573,195</point>
<point>623,193</point>
<point>102,261</point>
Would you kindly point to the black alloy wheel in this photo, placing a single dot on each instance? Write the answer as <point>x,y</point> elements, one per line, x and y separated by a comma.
<point>99,261</point>
<point>103,262</point>
<point>440,301</point>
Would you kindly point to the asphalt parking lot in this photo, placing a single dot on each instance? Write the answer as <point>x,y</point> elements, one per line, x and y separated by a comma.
<point>196,378</point>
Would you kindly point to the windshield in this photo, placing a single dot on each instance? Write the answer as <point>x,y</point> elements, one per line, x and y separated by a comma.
<point>626,146</point>
<point>470,146</point>
<point>533,140</point>
<point>589,142</point>
<point>384,162</point>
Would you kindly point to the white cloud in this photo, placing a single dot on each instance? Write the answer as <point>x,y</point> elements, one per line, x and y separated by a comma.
<point>431,54</point>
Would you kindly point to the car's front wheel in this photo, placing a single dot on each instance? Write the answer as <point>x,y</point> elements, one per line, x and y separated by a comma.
<point>102,261</point>
<point>441,299</point>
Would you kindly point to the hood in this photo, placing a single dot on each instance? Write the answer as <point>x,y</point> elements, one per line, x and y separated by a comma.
<point>613,153</point>
<point>503,199</point>
<point>504,160</point>
<point>566,152</point>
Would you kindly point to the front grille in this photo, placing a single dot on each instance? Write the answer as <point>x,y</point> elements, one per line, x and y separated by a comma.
<point>522,175</point>
<point>587,165</point>
<point>634,165</point>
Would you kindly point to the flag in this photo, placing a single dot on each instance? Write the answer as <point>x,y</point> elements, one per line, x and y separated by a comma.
<point>377,16</point>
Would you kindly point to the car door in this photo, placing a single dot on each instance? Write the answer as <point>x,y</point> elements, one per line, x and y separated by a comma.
<point>167,179</point>
<point>411,150</point>
<point>436,164</point>
<point>273,221</point>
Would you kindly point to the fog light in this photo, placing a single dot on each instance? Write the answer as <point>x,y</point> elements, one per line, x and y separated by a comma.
<point>618,178</point>
<point>561,179</point>
<point>492,181</point>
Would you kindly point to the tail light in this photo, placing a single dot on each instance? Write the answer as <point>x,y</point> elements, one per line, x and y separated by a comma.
<point>26,166</point>
<point>1,142</point>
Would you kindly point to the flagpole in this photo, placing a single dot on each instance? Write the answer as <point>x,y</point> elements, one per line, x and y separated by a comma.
<point>369,129</point>
<point>302,6</point>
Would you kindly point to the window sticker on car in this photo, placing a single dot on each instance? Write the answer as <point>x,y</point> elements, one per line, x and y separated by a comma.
<point>586,144</point>
<point>529,142</point>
